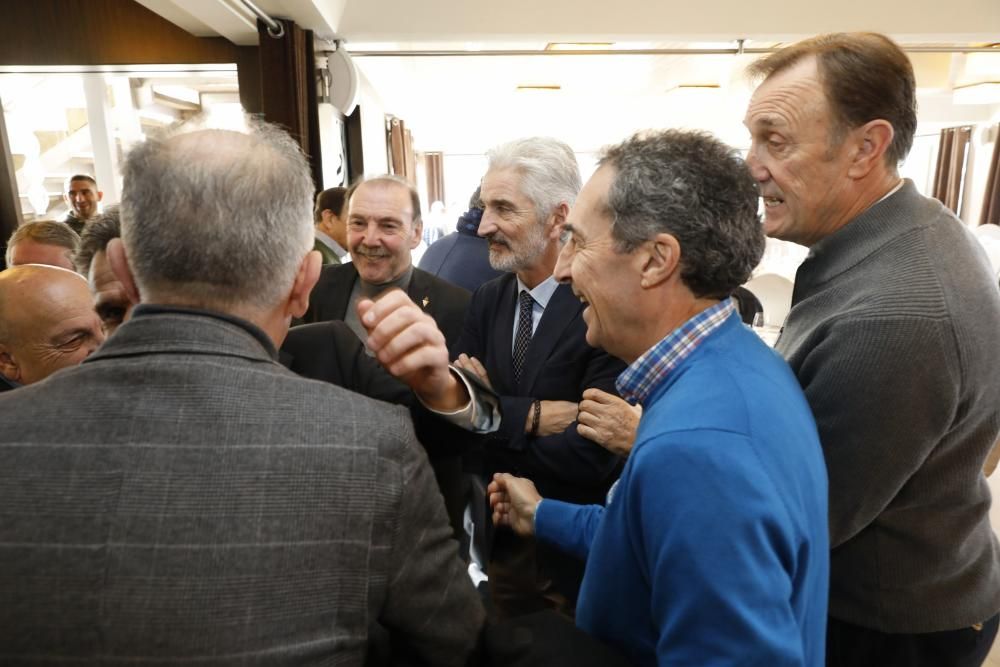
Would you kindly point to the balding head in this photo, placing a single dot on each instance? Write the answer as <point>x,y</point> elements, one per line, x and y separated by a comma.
<point>47,322</point>
<point>217,219</point>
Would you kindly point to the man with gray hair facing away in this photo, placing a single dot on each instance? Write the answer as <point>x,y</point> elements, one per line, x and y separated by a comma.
<point>524,335</point>
<point>182,497</point>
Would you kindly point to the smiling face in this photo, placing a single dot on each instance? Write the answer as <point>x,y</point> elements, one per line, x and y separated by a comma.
<point>606,280</point>
<point>381,230</point>
<point>82,196</point>
<point>510,223</point>
<point>51,323</point>
<point>796,158</point>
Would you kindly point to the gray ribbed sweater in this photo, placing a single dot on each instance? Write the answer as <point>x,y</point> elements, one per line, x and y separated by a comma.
<point>894,334</point>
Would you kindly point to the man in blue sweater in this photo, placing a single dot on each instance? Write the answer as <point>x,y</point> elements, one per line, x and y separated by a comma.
<point>712,547</point>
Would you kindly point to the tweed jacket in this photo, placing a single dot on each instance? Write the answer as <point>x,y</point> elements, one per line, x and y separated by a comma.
<point>180,497</point>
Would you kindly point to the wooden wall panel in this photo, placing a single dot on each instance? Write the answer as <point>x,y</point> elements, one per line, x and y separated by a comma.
<point>100,32</point>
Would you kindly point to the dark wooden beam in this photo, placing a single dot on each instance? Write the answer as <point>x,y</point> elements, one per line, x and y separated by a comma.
<point>10,204</point>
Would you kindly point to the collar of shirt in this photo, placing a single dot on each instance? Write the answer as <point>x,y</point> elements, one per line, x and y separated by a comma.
<point>331,244</point>
<point>541,294</point>
<point>543,291</point>
<point>638,380</point>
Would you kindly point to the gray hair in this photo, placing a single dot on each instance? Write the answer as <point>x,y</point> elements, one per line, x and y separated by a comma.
<point>95,237</point>
<point>45,232</point>
<point>217,217</point>
<point>695,188</point>
<point>549,171</point>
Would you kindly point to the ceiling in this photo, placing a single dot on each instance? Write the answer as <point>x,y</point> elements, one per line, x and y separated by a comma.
<point>463,104</point>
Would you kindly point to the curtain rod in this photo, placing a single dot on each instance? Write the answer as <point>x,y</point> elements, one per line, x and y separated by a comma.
<point>636,52</point>
<point>274,28</point>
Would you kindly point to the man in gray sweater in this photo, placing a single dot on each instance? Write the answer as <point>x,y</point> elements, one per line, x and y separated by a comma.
<point>893,336</point>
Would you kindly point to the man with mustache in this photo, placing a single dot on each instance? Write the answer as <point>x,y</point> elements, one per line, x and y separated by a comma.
<point>383,227</point>
<point>526,336</point>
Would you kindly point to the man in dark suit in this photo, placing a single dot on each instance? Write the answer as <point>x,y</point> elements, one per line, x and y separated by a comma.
<point>526,333</point>
<point>182,497</point>
<point>383,226</point>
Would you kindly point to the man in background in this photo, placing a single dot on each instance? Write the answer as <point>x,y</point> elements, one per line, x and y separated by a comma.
<point>83,198</point>
<point>892,334</point>
<point>42,242</point>
<point>383,223</point>
<point>525,336</point>
<point>111,301</point>
<point>462,257</point>
<point>47,323</point>
<point>331,228</point>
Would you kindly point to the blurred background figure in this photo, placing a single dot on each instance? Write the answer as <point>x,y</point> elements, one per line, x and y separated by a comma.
<point>111,301</point>
<point>42,242</point>
<point>83,198</point>
<point>331,227</point>
<point>462,257</point>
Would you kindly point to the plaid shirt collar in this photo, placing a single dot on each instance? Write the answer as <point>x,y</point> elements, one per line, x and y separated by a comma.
<point>638,380</point>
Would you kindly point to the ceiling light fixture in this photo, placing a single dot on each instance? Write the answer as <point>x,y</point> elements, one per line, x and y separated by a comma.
<point>579,46</point>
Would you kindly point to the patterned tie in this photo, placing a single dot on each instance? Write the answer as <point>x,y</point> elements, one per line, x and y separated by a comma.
<point>523,337</point>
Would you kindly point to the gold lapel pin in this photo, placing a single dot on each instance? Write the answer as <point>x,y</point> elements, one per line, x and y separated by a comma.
<point>426,301</point>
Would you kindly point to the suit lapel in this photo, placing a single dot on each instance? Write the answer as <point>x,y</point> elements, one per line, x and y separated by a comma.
<point>419,291</point>
<point>502,337</point>
<point>340,291</point>
<point>558,315</point>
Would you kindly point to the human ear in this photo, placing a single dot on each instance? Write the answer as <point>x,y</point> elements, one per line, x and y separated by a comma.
<point>556,221</point>
<point>120,267</point>
<point>872,141</point>
<point>8,365</point>
<point>660,260</point>
<point>305,280</point>
<point>418,232</point>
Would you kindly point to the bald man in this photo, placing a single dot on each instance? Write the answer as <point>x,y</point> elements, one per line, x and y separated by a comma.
<point>47,322</point>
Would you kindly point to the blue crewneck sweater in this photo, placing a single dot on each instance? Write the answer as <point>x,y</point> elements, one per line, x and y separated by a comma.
<point>713,549</point>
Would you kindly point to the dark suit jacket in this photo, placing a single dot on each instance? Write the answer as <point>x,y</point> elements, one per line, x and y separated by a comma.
<point>445,302</point>
<point>180,494</point>
<point>559,365</point>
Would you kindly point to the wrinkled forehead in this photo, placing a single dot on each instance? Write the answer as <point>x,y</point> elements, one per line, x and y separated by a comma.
<point>381,198</point>
<point>45,302</point>
<point>788,94</point>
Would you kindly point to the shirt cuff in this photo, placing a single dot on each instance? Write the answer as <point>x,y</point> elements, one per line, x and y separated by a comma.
<point>480,415</point>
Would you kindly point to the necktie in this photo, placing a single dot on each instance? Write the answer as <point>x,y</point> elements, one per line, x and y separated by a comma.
<point>523,337</point>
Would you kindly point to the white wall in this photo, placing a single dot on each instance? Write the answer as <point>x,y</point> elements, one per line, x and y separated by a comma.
<point>373,143</point>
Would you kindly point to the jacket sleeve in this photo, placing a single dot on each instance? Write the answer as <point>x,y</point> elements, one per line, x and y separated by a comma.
<point>566,456</point>
<point>430,603</point>
<point>883,392</point>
